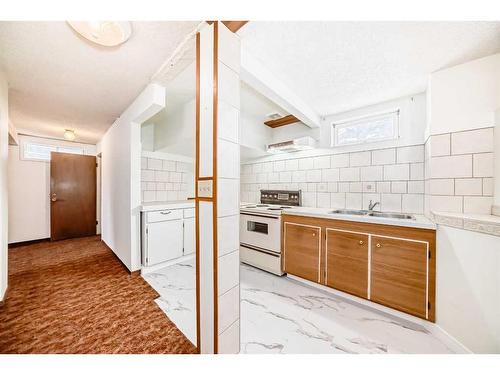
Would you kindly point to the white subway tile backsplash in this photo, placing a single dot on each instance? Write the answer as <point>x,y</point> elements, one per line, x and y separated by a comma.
<point>373,173</point>
<point>442,186</point>
<point>285,177</point>
<point>340,161</point>
<point>349,174</point>
<point>386,156</point>
<point>155,164</point>
<point>162,176</point>
<point>322,187</point>
<point>279,166</point>
<point>292,165</point>
<point>417,171</point>
<point>360,159</point>
<point>309,199</point>
<point>399,187</point>
<point>410,154</point>
<point>416,187</point>
<point>354,201</point>
<point>451,166</point>
<point>469,186</point>
<point>267,167</point>
<point>299,176</point>
<point>161,195</point>
<point>144,163</point>
<point>306,164</point>
<point>330,175</point>
<point>483,165</point>
<point>397,172</point>
<point>368,187</point>
<point>148,196</point>
<point>446,203</point>
<point>343,187</point>
<point>321,162</point>
<point>440,145</point>
<point>169,165</point>
<point>472,141</point>
<point>384,187</point>
<point>355,187</point>
<point>337,200</point>
<point>314,175</point>
<point>478,205</point>
<point>273,177</point>
<point>488,186</point>
<point>333,187</point>
<point>413,203</point>
<point>390,202</point>
<point>323,200</point>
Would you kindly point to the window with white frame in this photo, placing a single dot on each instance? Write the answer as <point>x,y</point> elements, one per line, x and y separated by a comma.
<point>41,151</point>
<point>373,128</point>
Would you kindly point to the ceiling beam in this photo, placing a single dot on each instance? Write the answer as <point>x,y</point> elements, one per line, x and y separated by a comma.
<point>260,78</point>
<point>282,121</point>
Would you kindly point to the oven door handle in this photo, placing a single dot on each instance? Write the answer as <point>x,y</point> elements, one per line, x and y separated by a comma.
<point>261,250</point>
<point>259,215</point>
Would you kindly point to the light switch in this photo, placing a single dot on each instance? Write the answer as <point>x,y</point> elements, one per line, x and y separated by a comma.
<point>205,188</point>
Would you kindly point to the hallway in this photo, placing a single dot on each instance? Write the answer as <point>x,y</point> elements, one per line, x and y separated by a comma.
<point>74,296</point>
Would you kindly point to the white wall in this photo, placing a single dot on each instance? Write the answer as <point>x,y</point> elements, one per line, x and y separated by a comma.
<point>29,190</point>
<point>121,177</point>
<point>468,288</point>
<point>465,96</point>
<point>4,141</point>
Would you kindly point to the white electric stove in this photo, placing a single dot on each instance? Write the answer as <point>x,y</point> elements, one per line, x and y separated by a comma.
<point>260,229</point>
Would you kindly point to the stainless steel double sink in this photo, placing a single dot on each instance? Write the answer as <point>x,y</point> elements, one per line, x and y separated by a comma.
<point>387,215</point>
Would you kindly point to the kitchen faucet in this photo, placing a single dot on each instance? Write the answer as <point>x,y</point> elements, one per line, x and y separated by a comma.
<point>371,205</point>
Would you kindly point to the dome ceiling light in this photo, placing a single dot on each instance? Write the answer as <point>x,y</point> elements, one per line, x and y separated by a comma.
<point>104,33</point>
<point>69,134</point>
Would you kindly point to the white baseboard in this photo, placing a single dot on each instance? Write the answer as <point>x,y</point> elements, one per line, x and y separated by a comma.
<point>145,270</point>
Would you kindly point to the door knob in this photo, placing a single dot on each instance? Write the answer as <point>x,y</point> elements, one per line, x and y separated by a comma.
<point>378,245</point>
<point>53,197</point>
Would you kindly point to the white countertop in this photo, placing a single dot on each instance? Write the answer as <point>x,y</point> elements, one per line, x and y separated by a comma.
<point>169,205</point>
<point>420,220</point>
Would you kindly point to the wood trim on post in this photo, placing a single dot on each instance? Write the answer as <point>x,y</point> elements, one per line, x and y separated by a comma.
<point>234,26</point>
<point>214,186</point>
<point>197,201</point>
<point>286,120</point>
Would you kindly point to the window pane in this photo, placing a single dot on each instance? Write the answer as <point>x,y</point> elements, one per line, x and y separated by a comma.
<point>71,150</point>
<point>38,151</point>
<point>376,128</point>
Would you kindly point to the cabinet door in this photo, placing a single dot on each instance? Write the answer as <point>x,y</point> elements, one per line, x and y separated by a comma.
<point>189,236</point>
<point>302,247</point>
<point>347,262</point>
<point>399,274</point>
<point>164,241</point>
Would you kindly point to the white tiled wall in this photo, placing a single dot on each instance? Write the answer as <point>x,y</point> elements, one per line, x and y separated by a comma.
<point>393,176</point>
<point>166,180</point>
<point>459,171</point>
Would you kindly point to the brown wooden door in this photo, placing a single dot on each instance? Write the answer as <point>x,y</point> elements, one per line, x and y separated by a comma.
<point>302,247</point>
<point>399,274</point>
<point>72,196</point>
<point>347,262</point>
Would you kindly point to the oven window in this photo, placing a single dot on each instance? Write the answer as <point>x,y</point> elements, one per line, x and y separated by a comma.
<point>253,226</point>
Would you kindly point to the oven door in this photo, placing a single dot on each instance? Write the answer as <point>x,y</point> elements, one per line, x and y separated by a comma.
<point>261,231</point>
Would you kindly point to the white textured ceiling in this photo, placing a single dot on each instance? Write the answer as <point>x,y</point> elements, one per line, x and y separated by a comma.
<point>58,80</point>
<point>337,66</point>
<point>256,105</point>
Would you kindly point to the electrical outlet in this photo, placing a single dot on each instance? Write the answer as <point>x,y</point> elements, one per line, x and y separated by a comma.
<point>205,188</point>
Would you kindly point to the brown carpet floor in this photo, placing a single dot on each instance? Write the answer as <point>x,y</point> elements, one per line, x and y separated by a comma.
<point>74,296</point>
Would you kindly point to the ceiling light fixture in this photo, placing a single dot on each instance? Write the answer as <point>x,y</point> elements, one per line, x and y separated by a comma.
<point>104,33</point>
<point>69,134</point>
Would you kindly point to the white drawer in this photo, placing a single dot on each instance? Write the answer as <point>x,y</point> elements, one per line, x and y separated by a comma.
<point>163,215</point>
<point>189,212</point>
<point>265,261</point>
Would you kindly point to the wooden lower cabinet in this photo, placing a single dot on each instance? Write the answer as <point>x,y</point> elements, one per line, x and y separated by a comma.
<point>346,267</point>
<point>391,265</point>
<point>399,274</point>
<point>302,251</point>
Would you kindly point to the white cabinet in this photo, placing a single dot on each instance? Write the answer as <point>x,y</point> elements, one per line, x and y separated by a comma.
<point>164,241</point>
<point>167,235</point>
<point>189,236</point>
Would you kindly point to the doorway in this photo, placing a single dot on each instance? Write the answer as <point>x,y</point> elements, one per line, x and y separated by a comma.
<point>73,181</point>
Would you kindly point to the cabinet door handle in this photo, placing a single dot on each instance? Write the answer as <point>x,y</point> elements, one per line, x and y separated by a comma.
<point>361,242</point>
<point>165,212</point>
<point>314,234</point>
<point>379,245</point>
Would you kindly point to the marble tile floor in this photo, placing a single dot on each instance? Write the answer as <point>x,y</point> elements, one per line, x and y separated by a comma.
<point>280,315</point>
<point>176,285</point>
